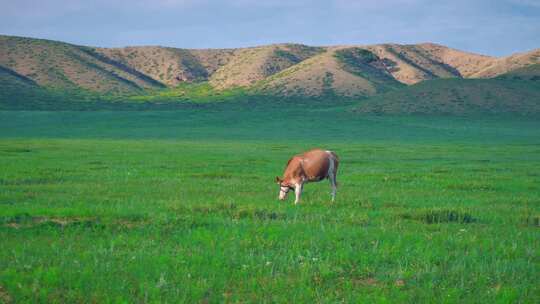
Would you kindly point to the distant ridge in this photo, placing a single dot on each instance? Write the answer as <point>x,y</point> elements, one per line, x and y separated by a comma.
<point>282,70</point>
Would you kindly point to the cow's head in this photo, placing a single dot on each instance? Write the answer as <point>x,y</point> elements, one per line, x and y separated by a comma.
<point>284,188</point>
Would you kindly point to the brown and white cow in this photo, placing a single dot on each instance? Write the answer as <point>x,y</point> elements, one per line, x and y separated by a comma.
<point>311,166</point>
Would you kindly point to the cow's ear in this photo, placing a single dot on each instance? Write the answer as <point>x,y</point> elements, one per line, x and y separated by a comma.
<point>278,180</point>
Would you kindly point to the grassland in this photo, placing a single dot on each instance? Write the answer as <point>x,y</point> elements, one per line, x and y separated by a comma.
<point>137,207</point>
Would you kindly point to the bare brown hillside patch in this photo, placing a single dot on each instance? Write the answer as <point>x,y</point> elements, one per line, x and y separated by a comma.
<point>250,65</point>
<point>506,64</point>
<point>315,77</point>
<point>464,62</point>
<point>65,66</point>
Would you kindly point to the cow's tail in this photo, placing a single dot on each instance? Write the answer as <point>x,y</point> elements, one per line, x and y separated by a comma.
<point>335,164</point>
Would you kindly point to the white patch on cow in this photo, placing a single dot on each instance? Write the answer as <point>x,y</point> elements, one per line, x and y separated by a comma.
<point>283,192</point>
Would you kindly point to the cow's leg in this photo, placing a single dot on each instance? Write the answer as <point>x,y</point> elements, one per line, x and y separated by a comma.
<point>332,177</point>
<point>298,192</point>
<point>333,184</point>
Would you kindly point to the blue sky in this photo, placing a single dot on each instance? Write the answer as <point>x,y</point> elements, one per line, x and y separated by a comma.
<point>496,27</point>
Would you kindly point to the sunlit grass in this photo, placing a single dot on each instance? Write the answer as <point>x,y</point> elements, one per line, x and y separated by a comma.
<point>181,207</point>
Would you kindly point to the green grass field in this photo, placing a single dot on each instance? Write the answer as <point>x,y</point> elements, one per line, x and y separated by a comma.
<point>137,207</point>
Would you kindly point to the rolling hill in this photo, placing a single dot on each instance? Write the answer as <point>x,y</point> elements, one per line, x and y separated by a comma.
<point>250,65</point>
<point>170,66</point>
<point>65,66</point>
<point>504,65</point>
<point>388,73</point>
<point>341,71</point>
<point>516,92</point>
<point>415,63</point>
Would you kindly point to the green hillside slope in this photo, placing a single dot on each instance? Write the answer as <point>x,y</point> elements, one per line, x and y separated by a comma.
<point>531,72</point>
<point>459,96</point>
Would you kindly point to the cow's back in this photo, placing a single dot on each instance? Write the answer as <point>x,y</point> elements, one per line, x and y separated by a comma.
<point>316,163</point>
